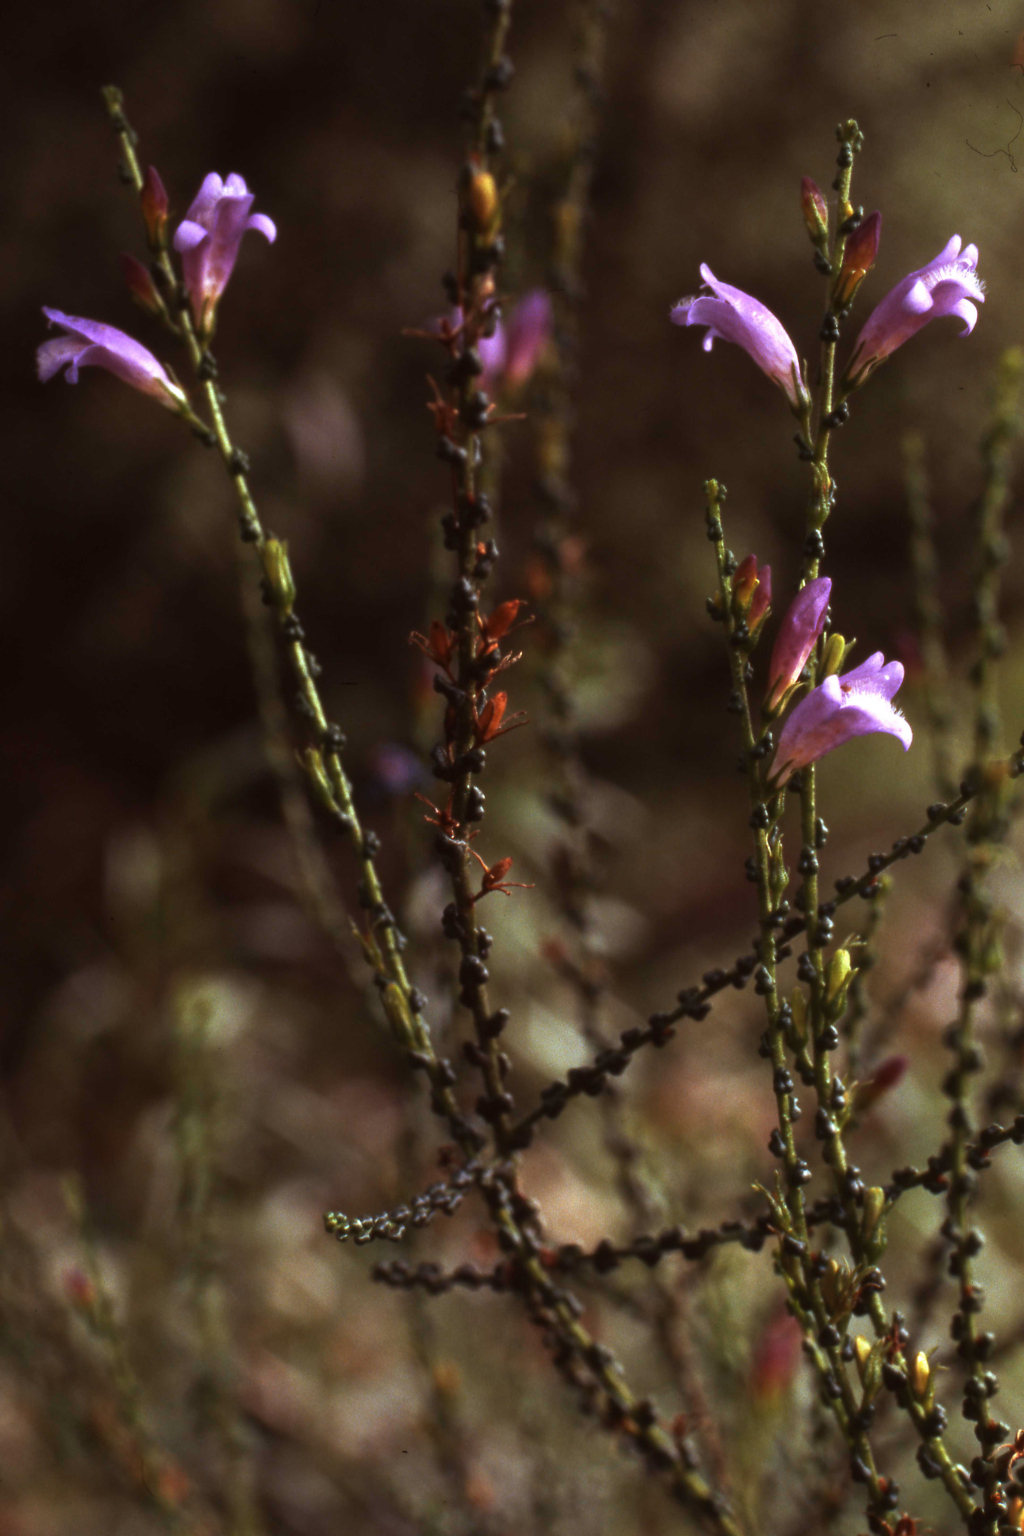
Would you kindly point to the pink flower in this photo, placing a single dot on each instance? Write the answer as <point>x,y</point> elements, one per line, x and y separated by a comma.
<point>843,707</point>
<point>798,634</point>
<point>513,351</point>
<point>529,332</point>
<point>89,344</point>
<point>948,285</point>
<point>733,315</point>
<point>209,238</point>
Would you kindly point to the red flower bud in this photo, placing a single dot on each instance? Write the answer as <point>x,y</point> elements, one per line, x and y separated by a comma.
<point>140,285</point>
<point>815,210</point>
<point>153,198</point>
<point>858,258</point>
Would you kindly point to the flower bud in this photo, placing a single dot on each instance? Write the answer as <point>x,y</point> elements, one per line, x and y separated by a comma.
<point>141,285</point>
<point>278,572</point>
<point>869,1366</point>
<point>752,593</point>
<point>815,211</point>
<point>858,259</point>
<point>797,637</point>
<point>480,196</point>
<point>153,199</point>
<point>834,655</point>
<point>840,971</point>
<point>887,1075</point>
<point>840,974</point>
<point>921,1377</point>
<point>872,1224</point>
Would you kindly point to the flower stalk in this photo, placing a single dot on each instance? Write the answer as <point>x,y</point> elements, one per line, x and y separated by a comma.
<point>329,784</point>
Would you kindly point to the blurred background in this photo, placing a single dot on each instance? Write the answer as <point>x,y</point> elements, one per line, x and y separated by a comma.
<point>173,1017</point>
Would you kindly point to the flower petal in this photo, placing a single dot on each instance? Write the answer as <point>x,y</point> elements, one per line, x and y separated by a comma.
<point>189,234</point>
<point>856,704</point>
<point>263,226</point>
<point>917,299</point>
<point>206,198</point>
<point>52,356</point>
<point>738,317</point>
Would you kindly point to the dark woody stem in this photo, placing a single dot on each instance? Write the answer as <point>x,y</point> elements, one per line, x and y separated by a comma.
<point>694,1002</point>
<point>863,1231</point>
<point>822,497</point>
<point>858,1007</point>
<point>329,783</point>
<point>462,757</point>
<point>515,1218</point>
<point>650,1247</point>
<point>861,1220</point>
<point>850,142</point>
<point>575,881</point>
<point>795,1263</point>
<point>979,938</point>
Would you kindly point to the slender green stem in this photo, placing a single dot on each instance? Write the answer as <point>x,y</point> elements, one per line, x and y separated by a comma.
<point>850,141</point>
<point>329,783</point>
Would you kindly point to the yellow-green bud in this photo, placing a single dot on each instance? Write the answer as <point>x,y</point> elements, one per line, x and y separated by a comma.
<point>278,572</point>
<point>921,1376</point>
<point>840,970</point>
<point>872,1225</point>
<point>862,1352</point>
<point>869,1366</point>
<point>832,660</point>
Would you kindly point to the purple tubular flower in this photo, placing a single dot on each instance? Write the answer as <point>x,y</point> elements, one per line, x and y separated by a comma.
<point>209,237</point>
<point>733,315</point>
<point>843,707</point>
<point>796,639</point>
<point>529,331</point>
<point>948,285</point>
<point>88,344</point>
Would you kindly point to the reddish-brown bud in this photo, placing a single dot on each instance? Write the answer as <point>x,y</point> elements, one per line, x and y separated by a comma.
<point>887,1074</point>
<point>858,258</point>
<point>752,592</point>
<point>815,210</point>
<point>140,285</point>
<point>153,199</point>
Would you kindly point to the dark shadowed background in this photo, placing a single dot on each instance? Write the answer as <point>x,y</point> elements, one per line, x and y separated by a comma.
<point>143,854</point>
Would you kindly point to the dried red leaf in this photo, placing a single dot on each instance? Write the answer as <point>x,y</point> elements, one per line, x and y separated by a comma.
<point>501,620</point>
<point>488,723</point>
<point>439,645</point>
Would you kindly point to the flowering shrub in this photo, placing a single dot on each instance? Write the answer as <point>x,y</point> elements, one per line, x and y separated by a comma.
<point>839,1384</point>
